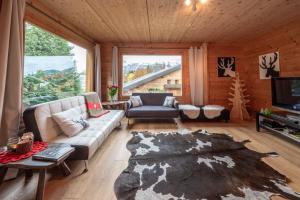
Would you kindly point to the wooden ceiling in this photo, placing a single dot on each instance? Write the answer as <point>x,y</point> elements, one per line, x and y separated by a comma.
<point>171,20</point>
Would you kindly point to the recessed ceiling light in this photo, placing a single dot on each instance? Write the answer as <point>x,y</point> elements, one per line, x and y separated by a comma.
<point>203,1</point>
<point>187,2</point>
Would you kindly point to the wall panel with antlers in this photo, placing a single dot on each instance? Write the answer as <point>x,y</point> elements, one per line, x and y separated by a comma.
<point>219,87</point>
<point>269,65</point>
<point>286,41</point>
<point>226,67</point>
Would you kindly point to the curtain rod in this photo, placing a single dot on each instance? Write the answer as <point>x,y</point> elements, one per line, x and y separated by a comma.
<point>58,22</point>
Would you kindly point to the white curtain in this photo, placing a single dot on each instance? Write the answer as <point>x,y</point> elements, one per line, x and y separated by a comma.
<point>198,73</point>
<point>11,66</point>
<point>115,68</point>
<point>98,70</point>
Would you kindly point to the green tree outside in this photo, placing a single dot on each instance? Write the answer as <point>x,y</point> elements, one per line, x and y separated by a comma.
<point>42,43</point>
<point>48,85</point>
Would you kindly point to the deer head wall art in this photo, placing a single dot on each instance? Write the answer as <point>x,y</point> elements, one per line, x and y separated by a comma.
<point>226,67</point>
<point>269,65</point>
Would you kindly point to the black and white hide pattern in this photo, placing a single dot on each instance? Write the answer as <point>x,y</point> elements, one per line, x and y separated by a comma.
<point>269,65</point>
<point>197,165</point>
<point>226,67</point>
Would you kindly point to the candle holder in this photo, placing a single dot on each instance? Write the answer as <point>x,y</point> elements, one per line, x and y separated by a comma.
<point>12,144</point>
<point>25,144</point>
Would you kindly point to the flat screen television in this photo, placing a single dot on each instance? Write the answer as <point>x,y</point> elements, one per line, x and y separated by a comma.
<point>286,93</point>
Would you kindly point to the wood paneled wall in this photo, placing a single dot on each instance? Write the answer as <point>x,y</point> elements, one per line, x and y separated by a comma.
<point>47,19</point>
<point>219,86</point>
<point>106,68</point>
<point>287,42</point>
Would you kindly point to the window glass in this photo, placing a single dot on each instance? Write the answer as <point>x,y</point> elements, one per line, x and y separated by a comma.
<point>152,73</point>
<point>53,67</point>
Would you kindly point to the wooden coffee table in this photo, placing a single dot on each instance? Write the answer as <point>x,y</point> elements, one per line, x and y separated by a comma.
<point>29,164</point>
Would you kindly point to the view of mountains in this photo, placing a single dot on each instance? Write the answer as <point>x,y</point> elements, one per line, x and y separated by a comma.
<point>152,67</point>
<point>132,63</point>
<point>32,64</point>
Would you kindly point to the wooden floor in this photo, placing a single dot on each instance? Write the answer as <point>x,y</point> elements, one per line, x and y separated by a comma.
<point>111,159</point>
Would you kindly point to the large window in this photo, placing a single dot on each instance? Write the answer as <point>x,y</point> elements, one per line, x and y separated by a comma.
<point>152,73</point>
<point>53,69</point>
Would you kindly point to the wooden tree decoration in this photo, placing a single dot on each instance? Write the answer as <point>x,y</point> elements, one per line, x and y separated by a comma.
<point>238,100</point>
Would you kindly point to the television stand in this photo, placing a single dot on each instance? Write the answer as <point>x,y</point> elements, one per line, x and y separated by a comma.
<point>280,123</point>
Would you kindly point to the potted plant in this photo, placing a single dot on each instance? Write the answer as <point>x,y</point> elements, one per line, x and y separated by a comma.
<point>112,92</point>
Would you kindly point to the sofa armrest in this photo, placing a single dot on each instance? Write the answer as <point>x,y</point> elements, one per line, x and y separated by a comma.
<point>176,104</point>
<point>128,105</point>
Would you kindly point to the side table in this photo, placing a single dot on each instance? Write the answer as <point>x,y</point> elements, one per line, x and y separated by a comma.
<point>40,166</point>
<point>114,105</point>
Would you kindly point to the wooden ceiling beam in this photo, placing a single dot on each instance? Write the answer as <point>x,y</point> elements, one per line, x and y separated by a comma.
<point>99,17</point>
<point>35,6</point>
<point>148,21</point>
<point>152,21</point>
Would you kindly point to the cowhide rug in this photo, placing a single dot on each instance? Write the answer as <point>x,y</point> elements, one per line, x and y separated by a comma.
<point>197,165</point>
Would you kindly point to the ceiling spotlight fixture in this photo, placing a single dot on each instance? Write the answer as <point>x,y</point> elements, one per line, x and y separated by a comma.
<point>187,2</point>
<point>194,8</point>
<point>194,3</point>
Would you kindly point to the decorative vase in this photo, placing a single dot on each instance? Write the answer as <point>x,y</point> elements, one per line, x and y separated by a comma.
<point>113,98</point>
<point>113,92</point>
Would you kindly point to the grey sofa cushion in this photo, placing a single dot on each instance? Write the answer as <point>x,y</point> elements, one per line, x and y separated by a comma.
<point>152,111</point>
<point>169,102</point>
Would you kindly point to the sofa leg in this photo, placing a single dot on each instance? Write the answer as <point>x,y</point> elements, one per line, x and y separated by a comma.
<point>120,124</point>
<point>85,167</point>
<point>128,122</point>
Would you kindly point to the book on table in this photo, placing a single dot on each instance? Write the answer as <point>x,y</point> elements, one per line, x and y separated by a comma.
<point>54,152</point>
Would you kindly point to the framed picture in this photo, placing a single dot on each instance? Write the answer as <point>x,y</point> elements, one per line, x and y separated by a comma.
<point>226,66</point>
<point>269,65</point>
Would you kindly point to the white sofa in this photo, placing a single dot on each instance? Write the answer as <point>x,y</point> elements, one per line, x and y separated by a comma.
<point>38,119</point>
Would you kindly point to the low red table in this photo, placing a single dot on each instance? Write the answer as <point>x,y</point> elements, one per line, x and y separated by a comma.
<point>41,166</point>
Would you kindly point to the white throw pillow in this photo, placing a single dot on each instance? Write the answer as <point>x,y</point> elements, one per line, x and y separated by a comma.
<point>136,101</point>
<point>169,101</point>
<point>70,121</point>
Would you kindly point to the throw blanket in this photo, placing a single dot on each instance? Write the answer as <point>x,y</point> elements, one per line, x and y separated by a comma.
<point>191,111</point>
<point>94,105</point>
<point>212,111</point>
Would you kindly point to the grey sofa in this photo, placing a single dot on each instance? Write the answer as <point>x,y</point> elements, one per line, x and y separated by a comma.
<point>38,119</point>
<point>152,107</point>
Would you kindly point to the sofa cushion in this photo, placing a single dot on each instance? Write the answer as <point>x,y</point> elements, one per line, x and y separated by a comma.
<point>152,99</point>
<point>136,101</point>
<point>169,101</point>
<point>94,105</point>
<point>85,147</point>
<point>70,121</point>
<point>88,140</point>
<point>152,111</point>
<point>46,125</point>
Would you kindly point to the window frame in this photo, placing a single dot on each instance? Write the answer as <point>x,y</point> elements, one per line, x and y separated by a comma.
<point>166,52</point>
